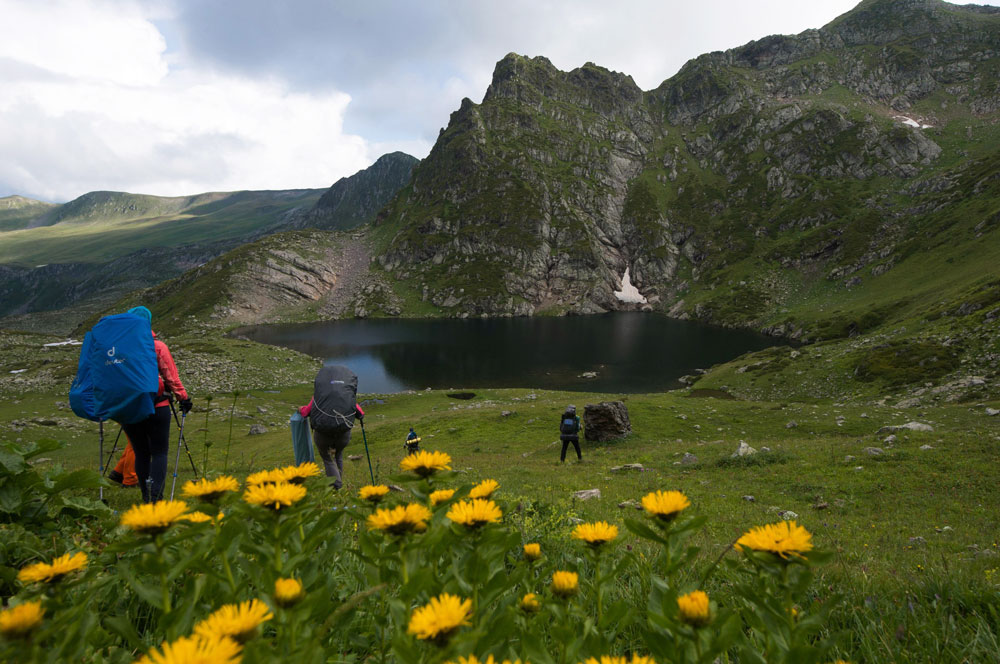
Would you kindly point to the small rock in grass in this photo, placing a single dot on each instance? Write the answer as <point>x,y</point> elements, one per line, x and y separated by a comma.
<point>821,506</point>
<point>765,449</point>
<point>354,457</point>
<point>926,447</point>
<point>792,425</point>
<point>628,466</point>
<point>874,451</point>
<point>992,411</point>
<point>396,487</point>
<point>688,459</point>
<point>506,413</point>
<point>749,499</point>
<point>849,458</point>
<point>909,426</point>
<point>257,429</point>
<point>629,503</point>
<point>587,494</point>
<point>743,450</point>
<point>918,541</point>
<point>890,439</point>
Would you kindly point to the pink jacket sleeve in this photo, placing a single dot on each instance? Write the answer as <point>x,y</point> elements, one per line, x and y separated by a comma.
<point>169,379</point>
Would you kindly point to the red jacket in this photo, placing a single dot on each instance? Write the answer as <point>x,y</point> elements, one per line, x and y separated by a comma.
<point>169,380</point>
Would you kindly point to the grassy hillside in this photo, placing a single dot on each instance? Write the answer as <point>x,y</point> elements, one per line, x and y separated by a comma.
<point>17,211</point>
<point>101,226</point>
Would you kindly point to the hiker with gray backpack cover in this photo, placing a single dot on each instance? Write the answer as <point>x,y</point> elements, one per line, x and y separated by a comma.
<point>331,414</point>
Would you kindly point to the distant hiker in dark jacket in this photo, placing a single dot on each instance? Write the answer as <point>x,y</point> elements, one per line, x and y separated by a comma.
<point>569,432</point>
<point>150,438</point>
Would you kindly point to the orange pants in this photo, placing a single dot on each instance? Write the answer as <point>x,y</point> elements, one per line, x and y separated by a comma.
<point>126,466</point>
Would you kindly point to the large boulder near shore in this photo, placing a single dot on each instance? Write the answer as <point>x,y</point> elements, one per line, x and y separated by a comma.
<point>607,420</point>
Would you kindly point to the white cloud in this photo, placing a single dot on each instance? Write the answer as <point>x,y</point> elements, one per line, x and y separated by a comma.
<point>95,105</point>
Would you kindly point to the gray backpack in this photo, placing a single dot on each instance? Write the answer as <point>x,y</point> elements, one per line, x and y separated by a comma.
<point>335,393</point>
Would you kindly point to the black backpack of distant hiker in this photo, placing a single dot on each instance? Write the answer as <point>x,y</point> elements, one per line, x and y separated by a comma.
<point>335,393</point>
<point>569,425</point>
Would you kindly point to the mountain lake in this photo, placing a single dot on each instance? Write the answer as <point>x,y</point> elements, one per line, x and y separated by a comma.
<point>621,352</point>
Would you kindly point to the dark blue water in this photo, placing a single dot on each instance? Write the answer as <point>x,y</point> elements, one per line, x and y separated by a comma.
<point>629,351</point>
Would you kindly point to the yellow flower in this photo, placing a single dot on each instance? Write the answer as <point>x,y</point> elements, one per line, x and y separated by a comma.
<point>197,517</point>
<point>472,659</point>
<point>49,573</point>
<point>236,621</point>
<point>426,463</point>
<point>210,490</point>
<point>441,496</point>
<point>400,519</point>
<point>595,534</point>
<point>608,659</point>
<point>298,474</point>
<point>195,650</point>
<point>474,513</point>
<point>665,505</point>
<point>529,603</point>
<point>274,496</point>
<point>694,608</point>
<point>484,489</point>
<point>440,617</point>
<point>532,551</point>
<point>20,620</point>
<point>782,539</point>
<point>373,493</point>
<point>266,477</point>
<point>565,584</point>
<point>288,591</point>
<point>154,518</point>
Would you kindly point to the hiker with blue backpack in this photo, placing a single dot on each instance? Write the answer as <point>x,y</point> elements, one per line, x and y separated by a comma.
<point>124,375</point>
<point>569,432</point>
<point>151,437</point>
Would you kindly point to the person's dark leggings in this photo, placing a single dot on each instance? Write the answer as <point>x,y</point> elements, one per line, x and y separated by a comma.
<point>151,441</point>
<point>576,443</point>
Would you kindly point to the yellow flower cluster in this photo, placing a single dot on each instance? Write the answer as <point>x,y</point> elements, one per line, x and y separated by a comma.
<point>436,620</point>
<point>290,474</point>
<point>373,494</point>
<point>274,496</point>
<point>441,496</point>
<point>783,539</point>
<point>210,490</point>
<point>235,621</point>
<point>21,619</point>
<point>401,519</point>
<point>484,489</point>
<point>288,591</point>
<point>474,513</point>
<point>565,584</point>
<point>195,650</point>
<point>472,659</point>
<point>54,571</point>
<point>532,551</point>
<point>665,505</point>
<point>595,534</point>
<point>154,518</point>
<point>610,659</point>
<point>694,608</point>
<point>425,463</point>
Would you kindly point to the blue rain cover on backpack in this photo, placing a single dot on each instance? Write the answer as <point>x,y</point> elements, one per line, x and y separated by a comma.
<point>117,377</point>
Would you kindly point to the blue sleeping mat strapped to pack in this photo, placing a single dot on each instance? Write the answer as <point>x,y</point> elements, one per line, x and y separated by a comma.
<point>301,439</point>
<point>117,377</point>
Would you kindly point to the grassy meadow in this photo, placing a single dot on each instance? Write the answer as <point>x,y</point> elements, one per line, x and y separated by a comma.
<point>914,533</point>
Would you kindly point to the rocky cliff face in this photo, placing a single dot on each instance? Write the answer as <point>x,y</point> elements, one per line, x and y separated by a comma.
<point>354,200</point>
<point>794,153</point>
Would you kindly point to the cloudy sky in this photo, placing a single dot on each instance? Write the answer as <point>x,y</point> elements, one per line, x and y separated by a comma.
<point>176,97</point>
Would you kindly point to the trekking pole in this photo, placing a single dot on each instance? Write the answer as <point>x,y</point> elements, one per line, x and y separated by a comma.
<point>114,448</point>
<point>187,449</point>
<point>365,438</point>
<point>100,459</point>
<point>177,460</point>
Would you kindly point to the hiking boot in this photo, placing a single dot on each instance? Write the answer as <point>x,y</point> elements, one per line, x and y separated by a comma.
<point>116,477</point>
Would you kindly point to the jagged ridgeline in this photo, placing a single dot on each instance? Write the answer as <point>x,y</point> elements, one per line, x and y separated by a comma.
<point>742,190</point>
